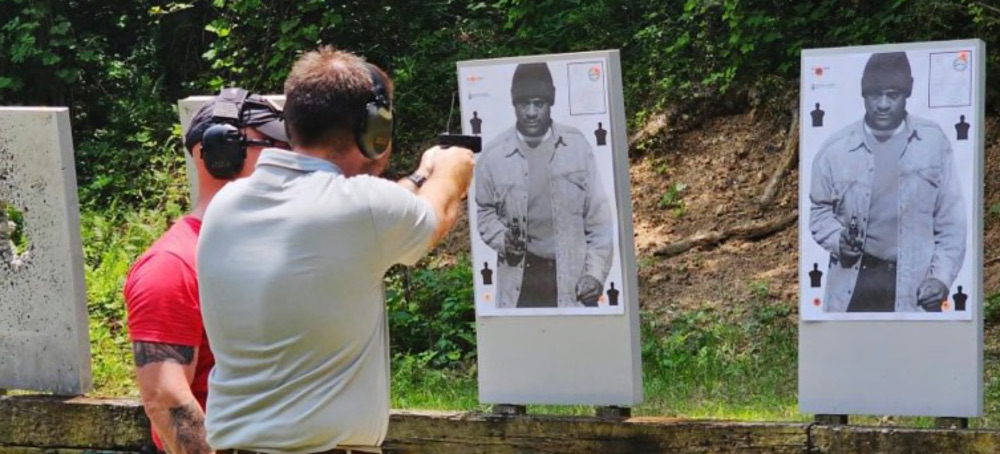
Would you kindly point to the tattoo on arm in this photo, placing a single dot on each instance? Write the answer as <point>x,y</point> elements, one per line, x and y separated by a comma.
<point>156,352</point>
<point>188,423</point>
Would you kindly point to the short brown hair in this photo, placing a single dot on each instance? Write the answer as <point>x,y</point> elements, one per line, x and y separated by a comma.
<point>325,97</point>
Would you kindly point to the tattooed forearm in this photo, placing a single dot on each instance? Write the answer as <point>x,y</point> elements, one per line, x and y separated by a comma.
<point>155,352</point>
<point>188,423</point>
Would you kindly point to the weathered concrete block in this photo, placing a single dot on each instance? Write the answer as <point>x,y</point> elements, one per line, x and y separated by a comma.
<point>43,309</point>
<point>78,423</point>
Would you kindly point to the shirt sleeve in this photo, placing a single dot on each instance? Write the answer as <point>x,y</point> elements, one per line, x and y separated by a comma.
<point>404,223</point>
<point>161,295</point>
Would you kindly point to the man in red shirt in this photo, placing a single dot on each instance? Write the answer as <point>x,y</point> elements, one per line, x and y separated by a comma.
<point>171,352</point>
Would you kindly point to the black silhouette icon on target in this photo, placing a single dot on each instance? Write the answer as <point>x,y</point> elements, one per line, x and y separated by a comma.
<point>613,295</point>
<point>817,116</point>
<point>960,299</point>
<point>487,274</point>
<point>477,123</point>
<point>962,129</point>
<point>601,135</point>
<point>815,276</point>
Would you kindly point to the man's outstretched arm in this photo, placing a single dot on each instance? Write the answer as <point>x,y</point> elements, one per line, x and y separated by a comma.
<point>447,184</point>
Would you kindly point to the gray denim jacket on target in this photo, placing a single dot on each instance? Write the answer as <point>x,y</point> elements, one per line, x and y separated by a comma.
<point>932,222</point>
<point>581,214</point>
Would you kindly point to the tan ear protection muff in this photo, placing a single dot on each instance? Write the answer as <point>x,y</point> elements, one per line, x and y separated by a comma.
<point>374,131</point>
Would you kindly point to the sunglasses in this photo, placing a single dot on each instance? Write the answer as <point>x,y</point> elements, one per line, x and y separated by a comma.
<point>260,142</point>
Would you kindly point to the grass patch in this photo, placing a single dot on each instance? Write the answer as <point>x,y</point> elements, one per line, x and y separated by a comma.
<point>737,363</point>
<point>672,199</point>
<point>111,242</point>
<point>415,384</point>
<point>17,237</point>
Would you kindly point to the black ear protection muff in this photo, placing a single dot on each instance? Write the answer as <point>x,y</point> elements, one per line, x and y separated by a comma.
<point>224,145</point>
<point>374,131</point>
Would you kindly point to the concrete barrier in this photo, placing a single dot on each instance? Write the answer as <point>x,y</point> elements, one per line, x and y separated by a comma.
<point>55,425</point>
<point>44,343</point>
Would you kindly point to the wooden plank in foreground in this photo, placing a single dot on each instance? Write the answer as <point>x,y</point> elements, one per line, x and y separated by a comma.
<point>58,425</point>
<point>447,433</point>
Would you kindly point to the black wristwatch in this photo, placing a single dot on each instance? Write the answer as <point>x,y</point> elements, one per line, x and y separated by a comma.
<point>417,179</point>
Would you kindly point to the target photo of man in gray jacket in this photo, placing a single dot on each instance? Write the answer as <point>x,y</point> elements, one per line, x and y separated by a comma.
<point>540,204</point>
<point>886,202</point>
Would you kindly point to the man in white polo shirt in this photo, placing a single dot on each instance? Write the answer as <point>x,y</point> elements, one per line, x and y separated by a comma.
<point>292,260</point>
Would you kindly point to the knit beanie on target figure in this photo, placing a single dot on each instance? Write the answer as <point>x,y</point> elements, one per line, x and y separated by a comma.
<point>532,80</point>
<point>890,70</point>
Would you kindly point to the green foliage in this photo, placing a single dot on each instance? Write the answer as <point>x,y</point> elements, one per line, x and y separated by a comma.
<point>662,168</point>
<point>418,383</point>
<point>18,237</point>
<point>672,200</point>
<point>102,59</point>
<point>701,52</point>
<point>991,312</point>
<point>431,313</point>
<point>737,357</point>
<point>38,40</point>
<point>255,41</point>
<point>134,165</point>
<point>121,66</point>
<point>110,244</point>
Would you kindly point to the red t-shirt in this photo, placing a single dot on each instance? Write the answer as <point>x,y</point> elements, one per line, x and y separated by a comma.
<point>161,294</point>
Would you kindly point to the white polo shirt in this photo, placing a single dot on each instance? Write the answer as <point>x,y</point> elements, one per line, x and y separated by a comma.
<point>290,264</point>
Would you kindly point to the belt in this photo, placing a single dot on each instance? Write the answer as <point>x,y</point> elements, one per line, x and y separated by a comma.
<point>872,262</point>
<point>249,451</point>
<point>534,261</point>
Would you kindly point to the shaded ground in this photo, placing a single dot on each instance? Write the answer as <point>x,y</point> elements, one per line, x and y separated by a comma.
<point>718,173</point>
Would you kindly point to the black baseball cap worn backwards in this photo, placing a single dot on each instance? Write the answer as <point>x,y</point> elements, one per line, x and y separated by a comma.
<point>252,110</point>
